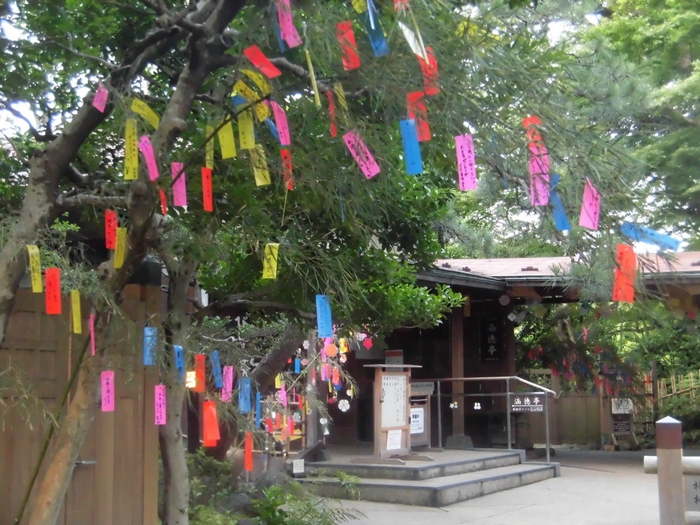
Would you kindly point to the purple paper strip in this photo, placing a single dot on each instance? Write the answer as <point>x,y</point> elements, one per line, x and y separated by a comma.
<point>146,150</point>
<point>161,416</point>
<point>466,163</point>
<point>179,187</point>
<point>227,390</point>
<point>361,154</point>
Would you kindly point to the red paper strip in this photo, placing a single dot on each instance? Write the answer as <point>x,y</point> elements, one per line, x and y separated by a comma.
<point>346,37</point>
<point>111,223</point>
<point>248,451</point>
<point>331,109</point>
<point>268,425</point>
<point>278,420</point>
<point>163,202</point>
<point>532,133</point>
<point>53,291</point>
<point>336,376</point>
<point>625,274</point>
<point>210,423</point>
<point>207,194</point>
<point>400,5</point>
<point>418,111</point>
<point>287,168</point>
<point>199,372</point>
<point>430,72</point>
<point>259,60</point>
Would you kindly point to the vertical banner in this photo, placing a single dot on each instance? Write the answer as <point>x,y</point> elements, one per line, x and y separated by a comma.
<point>108,394</point>
<point>216,369</point>
<point>226,141</point>
<point>324,318</point>
<point>179,361</point>
<point>244,395</point>
<point>411,147</point>
<point>248,449</point>
<point>177,170</point>
<point>76,312</point>
<point>150,341</point>
<point>200,373</point>
<point>207,191</point>
<point>53,291</point>
<point>210,424</point>
<point>146,150</point>
<point>590,207</point>
<point>270,260</point>
<point>131,151</point>
<point>35,268</point>
<point>418,112</point>
<point>625,274</point>
<point>348,46</point>
<point>361,154</point>
<point>466,162</point>
<point>227,389</point>
<point>161,408</point>
<point>120,249</point>
<point>111,223</point>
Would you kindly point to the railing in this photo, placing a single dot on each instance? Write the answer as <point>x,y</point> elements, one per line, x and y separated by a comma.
<point>541,391</point>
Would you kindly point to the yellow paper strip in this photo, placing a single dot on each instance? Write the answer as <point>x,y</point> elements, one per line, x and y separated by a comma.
<point>260,169</point>
<point>317,98</point>
<point>278,381</point>
<point>226,141</point>
<point>342,102</point>
<point>259,81</point>
<point>360,5</point>
<point>131,151</point>
<point>139,107</point>
<point>120,252</point>
<point>77,315</point>
<point>261,110</point>
<point>35,268</point>
<point>270,261</point>
<point>246,130</point>
<point>209,158</point>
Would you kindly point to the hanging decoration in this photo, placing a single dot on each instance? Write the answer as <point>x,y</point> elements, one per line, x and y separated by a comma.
<point>160,405</point>
<point>150,341</point>
<point>466,162</point>
<point>418,112</point>
<point>590,208</point>
<point>625,274</point>
<point>76,312</point>
<point>53,291</point>
<point>200,373</point>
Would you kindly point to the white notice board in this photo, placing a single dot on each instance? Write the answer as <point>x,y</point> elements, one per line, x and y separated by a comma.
<point>394,400</point>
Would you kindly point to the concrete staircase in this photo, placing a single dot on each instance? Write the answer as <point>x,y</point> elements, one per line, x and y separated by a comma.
<point>449,479</point>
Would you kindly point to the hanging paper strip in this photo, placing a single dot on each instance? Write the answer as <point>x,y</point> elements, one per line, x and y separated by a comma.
<point>209,148</point>
<point>286,22</point>
<point>200,372</point>
<point>324,318</point>
<point>53,291</point>
<point>297,366</point>
<point>111,222</point>
<point>180,361</point>
<point>210,425</point>
<point>216,369</point>
<point>625,274</point>
<point>91,326</point>
<point>258,409</point>
<point>252,97</point>
<point>269,426</point>
<point>532,133</point>
<point>361,154</point>
<point>160,405</point>
<point>248,450</point>
<point>244,395</point>
<point>324,355</point>
<point>35,268</point>
<point>285,137</point>
<point>270,260</point>
<point>418,112</point>
<point>466,162</point>
<point>400,5</point>
<point>359,5</point>
<point>414,41</point>
<point>348,46</point>
<point>150,341</point>
<point>590,208</point>
<point>76,313</point>
<point>177,171</point>
<point>430,72</point>
<point>207,192</point>
<point>146,150</point>
<point>131,151</point>
<point>259,81</point>
<point>226,141</point>
<point>377,38</point>
<point>276,27</point>
<point>312,76</point>
<point>271,126</point>
<point>227,389</point>
<point>283,395</point>
<point>287,174</point>
<point>139,107</point>
<point>290,426</point>
<point>342,103</point>
<point>259,60</point>
<point>561,221</point>
<point>313,376</point>
<point>99,101</point>
<point>336,376</point>
<point>647,235</point>
<point>331,110</point>
<point>411,147</point>
<point>108,394</point>
<point>260,169</point>
<point>246,131</point>
<point>120,249</point>
<point>163,202</point>
<point>278,381</point>
<point>539,175</point>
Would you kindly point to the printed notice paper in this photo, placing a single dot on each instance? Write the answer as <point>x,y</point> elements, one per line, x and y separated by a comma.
<point>466,162</point>
<point>361,154</point>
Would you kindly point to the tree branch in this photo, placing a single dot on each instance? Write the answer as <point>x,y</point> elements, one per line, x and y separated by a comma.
<point>267,305</point>
<point>90,199</point>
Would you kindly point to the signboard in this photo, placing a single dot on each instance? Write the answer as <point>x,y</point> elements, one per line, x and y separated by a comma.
<point>422,388</point>
<point>393,439</point>
<point>622,423</point>
<point>393,357</point>
<point>417,420</point>
<point>529,403</point>
<point>622,405</point>
<point>492,333</point>
<point>692,493</point>
<point>394,405</point>
<point>298,466</point>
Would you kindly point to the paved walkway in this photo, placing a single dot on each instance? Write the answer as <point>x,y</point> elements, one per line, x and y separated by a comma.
<point>596,488</point>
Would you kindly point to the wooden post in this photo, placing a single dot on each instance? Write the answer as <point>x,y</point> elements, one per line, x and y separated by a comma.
<point>669,451</point>
<point>655,389</point>
<point>457,344</point>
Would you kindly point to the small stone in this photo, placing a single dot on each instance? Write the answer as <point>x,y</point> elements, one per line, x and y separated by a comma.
<point>245,521</point>
<point>237,503</point>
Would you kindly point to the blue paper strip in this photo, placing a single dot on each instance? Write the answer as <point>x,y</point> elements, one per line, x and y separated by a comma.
<point>380,46</point>
<point>411,147</point>
<point>244,395</point>
<point>150,340</point>
<point>273,128</point>
<point>258,409</point>
<point>216,369</point>
<point>276,27</point>
<point>180,361</point>
<point>323,316</point>
<point>297,366</point>
<point>643,234</point>
<point>561,221</point>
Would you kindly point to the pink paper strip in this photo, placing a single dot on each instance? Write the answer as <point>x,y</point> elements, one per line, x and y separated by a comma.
<point>179,187</point>
<point>290,425</point>
<point>146,150</point>
<point>539,176</point>
<point>161,417</point>
<point>281,122</point>
<point>466,162</point>
<point>107,390</point>
<point>287,29</point>
<point>361,154</point>
<point>323,354</point>
<point>92,334</point>
<point>590,208</point>
<point>323,372</point>
<point>99,101</point>
<point>227,390</point>
<point>283,395</point>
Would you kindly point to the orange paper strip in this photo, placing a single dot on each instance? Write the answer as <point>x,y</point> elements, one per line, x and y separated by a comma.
<point>53,291</point>
<point>210,423</point>
<point>248,451</point>
<point>111,223</point>
<point>200,372</point>
<point>207,194</point>
<point>625,274</point>
<point>163,202</point>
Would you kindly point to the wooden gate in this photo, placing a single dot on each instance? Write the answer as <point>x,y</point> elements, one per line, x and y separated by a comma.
<point>116,479</point>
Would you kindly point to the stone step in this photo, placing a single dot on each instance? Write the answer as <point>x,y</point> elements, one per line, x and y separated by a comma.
<point>439,491</point>
<point>421,470</point>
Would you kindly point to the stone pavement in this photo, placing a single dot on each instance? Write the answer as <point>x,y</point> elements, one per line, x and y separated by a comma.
<point>595,488</point>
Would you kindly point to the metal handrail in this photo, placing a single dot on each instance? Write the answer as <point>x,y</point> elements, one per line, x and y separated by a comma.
<point>494,378</point>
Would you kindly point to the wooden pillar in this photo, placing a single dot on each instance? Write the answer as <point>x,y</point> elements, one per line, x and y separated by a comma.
<point>457,368</point>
